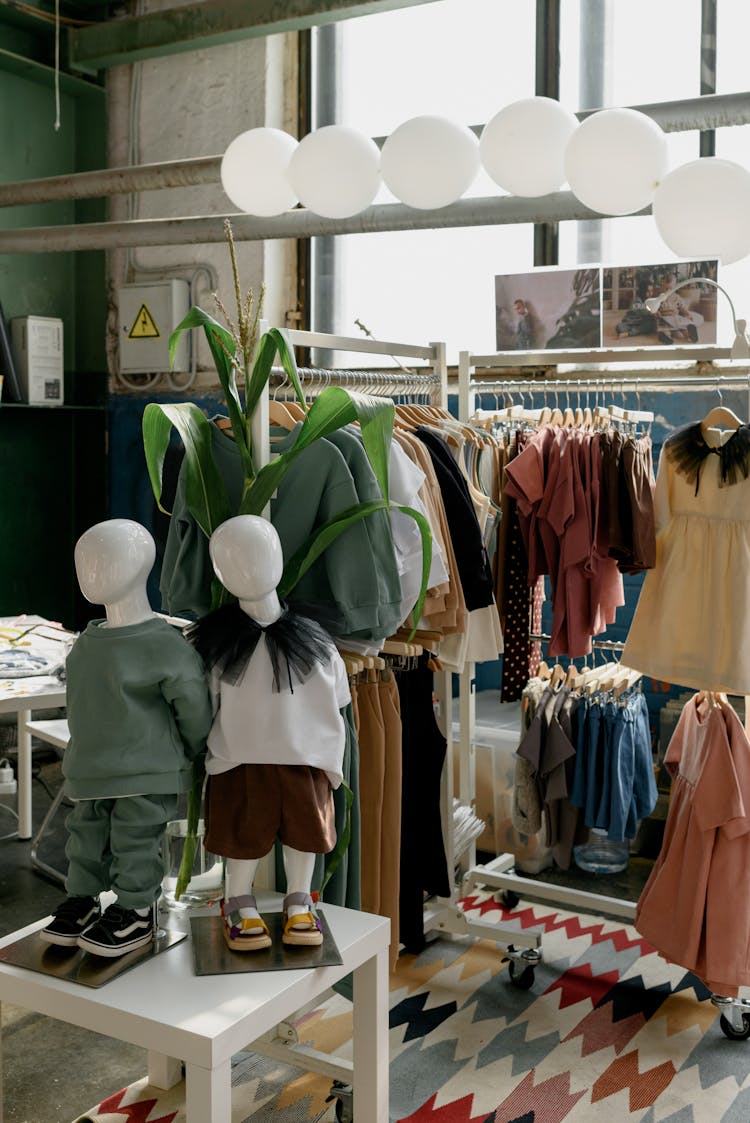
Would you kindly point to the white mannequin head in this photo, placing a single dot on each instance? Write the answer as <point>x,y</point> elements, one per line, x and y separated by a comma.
<point>247,558</point>
<point>113,560</point>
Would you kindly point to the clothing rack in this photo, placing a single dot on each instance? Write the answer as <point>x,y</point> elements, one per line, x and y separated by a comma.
<point>443,914</point>
<point>499,873</point>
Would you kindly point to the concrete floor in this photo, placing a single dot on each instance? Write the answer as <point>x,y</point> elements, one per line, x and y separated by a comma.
<point>53,1071</point>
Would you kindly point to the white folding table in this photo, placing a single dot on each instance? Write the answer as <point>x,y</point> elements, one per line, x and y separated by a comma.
<point>22,696</point>
<point>203,1020</point>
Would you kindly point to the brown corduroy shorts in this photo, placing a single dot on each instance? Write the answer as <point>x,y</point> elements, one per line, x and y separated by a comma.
<point>248,806</point>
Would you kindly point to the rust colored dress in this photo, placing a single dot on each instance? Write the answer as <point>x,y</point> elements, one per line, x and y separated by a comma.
<point>695,907</point>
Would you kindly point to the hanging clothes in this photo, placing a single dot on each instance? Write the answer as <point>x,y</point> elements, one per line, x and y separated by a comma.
<point>592,763</point>
<point>613,778</point>
<point>423,864</point>
<point>695,907</point>
<point>466,514</point>
<point>568,484</point>
<point>691,623</point>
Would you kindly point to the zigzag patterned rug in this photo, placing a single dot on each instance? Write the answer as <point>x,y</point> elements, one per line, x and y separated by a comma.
<point>607,1031</point>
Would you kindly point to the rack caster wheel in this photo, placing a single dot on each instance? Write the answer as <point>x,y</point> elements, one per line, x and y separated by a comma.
<point>508,898</point>
<point>343,1095</point>
<point>735,1034</point>
<point>521,977</point>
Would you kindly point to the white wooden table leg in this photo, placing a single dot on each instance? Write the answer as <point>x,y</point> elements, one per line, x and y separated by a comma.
<point>24,775</point>
<point>370,1040</point>
<point>208,1096</point>
<point>163,1072</point>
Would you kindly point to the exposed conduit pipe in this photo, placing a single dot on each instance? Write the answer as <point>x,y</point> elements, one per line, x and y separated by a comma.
<point>710,112</point>
<point>560,206</point>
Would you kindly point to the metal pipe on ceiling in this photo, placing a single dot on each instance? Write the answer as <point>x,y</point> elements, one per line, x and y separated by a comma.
<point>112,181</point>
<point>710,112</point>
<point>560,206</point>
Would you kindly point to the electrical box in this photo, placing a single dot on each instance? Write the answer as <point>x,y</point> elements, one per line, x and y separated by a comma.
<point>37,343</point>
<point>149,313</point>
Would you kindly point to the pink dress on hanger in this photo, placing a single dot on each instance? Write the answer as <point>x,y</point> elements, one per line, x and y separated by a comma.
<point>695,907</point>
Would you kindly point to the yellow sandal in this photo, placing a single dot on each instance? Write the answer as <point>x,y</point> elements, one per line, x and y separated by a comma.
<point>243,933</point>
<point>304,929</point>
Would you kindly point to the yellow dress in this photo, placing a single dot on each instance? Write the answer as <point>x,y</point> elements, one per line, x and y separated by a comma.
<point>692,623</point>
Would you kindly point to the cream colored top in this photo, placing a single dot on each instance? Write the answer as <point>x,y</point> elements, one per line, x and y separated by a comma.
<point>692,623</point>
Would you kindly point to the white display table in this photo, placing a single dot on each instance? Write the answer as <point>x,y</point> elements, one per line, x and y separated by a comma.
<point>163,1007</point>
<point>21,696</point>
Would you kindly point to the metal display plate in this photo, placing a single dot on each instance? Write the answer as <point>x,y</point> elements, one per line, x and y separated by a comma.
<point>77,966</point>
<point>212,956</point>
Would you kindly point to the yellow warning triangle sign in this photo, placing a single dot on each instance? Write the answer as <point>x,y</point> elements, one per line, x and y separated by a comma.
<point>144,326</point>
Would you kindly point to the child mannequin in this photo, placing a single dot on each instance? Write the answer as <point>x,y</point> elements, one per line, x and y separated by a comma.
<point>275,750</point>
<point>139,713</point>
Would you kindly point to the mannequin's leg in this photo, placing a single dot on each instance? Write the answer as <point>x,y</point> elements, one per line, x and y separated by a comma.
<point>240,876</point>
<point>299,868</point>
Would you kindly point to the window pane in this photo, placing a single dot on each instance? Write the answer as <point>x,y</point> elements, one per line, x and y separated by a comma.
<point>463,59</point>
<point>732,38</point>
<point>422,285</point>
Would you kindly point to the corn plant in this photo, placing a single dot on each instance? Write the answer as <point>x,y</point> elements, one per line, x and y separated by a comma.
<point>237,351</point>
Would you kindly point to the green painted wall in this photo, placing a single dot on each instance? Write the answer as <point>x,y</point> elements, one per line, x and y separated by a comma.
<point>53,461</point>
<point>71,286</point>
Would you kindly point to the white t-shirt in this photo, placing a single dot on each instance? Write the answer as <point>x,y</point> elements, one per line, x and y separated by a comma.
<point>255,725</point>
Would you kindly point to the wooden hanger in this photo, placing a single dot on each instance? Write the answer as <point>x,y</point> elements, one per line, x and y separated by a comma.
<point>630,678</point>
<point>720,417</point>
<point>278,414</point>
<point>557,676</point>
<point>543,672</point>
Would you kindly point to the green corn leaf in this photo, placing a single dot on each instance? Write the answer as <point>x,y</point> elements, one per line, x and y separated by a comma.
<point>271,342</point>
<point>223,347</point>
<point>333,408</point>
<point>342,844</point>
<point>195,795</point>
<point>309,552</point>
<point>205,492</point>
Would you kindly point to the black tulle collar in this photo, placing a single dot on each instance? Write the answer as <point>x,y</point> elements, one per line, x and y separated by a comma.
<point>688,450</point>
<point>227,638</point>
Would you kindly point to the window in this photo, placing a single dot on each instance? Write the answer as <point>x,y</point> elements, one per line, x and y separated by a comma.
<point>466,59</point>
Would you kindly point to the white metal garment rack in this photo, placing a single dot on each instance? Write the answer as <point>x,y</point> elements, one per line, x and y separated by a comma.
<point>444,914</point>
<point>499,873</point>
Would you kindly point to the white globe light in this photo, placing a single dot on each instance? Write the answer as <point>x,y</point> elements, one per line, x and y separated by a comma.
<point>615,160</point>
<point>702,209</point>
<point>523,146</point>
<point>336,171</point>
<point>429,162</point>
<point>253,172</point>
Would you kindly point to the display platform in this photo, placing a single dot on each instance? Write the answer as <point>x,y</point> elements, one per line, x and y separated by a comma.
<point>212,956</point>
<point>202,1022</point>
<point>77,966</point>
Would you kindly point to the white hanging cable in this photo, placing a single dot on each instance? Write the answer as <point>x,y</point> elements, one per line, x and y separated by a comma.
<point>57,65</point>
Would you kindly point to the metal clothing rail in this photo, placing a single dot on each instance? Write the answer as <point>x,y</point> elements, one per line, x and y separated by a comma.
<point>600,644</point>
<point>396,384</point>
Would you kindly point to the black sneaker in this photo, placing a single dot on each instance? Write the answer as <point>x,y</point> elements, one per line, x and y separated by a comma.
<point>70,919</point>
<point>692,333</point>
<point>117,932</point>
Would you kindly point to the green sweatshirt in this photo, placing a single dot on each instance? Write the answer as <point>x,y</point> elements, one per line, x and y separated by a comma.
<point>138,710</point>
<point>345,589</point>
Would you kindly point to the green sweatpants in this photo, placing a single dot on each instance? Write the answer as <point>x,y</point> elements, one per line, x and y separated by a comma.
<point>117,844</point>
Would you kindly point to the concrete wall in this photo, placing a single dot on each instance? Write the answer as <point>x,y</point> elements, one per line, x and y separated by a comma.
<point>190,105</point>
